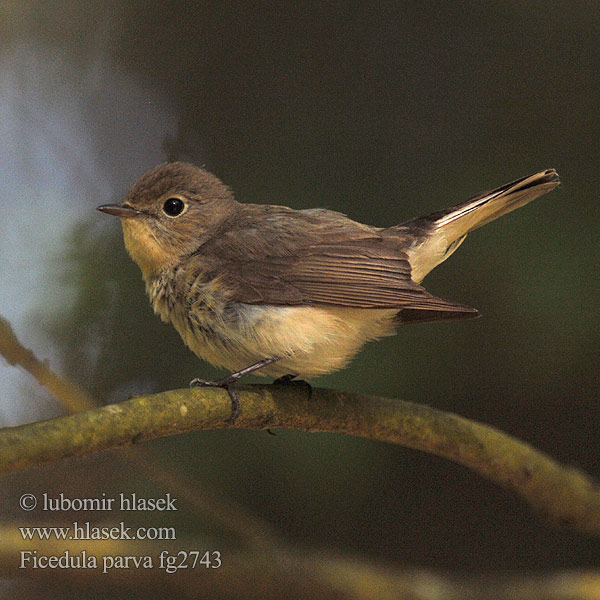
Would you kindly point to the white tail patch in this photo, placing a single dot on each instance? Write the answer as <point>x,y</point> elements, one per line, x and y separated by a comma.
<point>448,229</point>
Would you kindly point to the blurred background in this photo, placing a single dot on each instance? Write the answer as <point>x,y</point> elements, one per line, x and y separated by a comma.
<point>384,111</point>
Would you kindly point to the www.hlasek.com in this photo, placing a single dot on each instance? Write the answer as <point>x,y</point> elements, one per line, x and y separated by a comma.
<point>87,531</point>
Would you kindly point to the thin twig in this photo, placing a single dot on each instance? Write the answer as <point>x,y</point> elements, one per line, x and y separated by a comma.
<point>235,518</point>
<point>70,395</point>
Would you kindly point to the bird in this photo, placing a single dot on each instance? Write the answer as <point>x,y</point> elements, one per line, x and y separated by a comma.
<point>290,293</point>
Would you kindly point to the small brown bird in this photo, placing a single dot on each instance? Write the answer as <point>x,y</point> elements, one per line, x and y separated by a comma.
<point>289,292</point>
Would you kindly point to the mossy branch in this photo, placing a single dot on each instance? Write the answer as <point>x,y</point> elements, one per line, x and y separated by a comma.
<point>565,495</point>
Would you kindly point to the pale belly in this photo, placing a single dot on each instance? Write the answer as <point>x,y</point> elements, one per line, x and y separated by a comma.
<point>309,340</point>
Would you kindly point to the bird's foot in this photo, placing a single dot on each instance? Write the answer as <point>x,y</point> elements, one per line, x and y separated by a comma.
<point>228,383</point>
<point>285,379</point>
<point>290,379</point>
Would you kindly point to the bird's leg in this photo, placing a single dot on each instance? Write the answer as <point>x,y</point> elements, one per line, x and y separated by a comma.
<point>228,383</point>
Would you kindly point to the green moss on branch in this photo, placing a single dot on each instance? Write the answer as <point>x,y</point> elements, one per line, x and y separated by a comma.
<point>565,495</point>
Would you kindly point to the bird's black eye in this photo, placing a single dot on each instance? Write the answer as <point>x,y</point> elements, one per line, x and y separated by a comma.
<point>173,207</point>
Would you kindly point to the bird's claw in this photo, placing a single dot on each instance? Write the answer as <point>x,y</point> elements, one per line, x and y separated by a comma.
<point>228,383</point>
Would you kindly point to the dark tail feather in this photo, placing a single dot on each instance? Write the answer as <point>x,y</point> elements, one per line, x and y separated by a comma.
<point>411,315</point>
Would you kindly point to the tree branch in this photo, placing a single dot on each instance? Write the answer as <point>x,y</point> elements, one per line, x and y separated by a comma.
<point>70,395</point>
<point>565,495</point>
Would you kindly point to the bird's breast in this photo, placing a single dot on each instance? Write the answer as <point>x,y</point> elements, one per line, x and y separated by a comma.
<point>195,305</point>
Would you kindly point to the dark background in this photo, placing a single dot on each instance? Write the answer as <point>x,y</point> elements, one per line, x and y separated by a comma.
<point>384,111</point>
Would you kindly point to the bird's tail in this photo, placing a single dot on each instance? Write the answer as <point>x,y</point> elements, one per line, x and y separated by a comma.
<point>439,234</point>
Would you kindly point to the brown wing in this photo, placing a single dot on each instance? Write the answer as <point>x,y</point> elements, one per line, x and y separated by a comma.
<point>367,272</point>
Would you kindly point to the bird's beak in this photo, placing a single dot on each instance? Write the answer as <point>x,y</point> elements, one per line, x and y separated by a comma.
<point>120,210</point>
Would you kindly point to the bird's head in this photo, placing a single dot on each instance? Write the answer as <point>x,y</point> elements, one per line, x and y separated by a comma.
<point>169,212</point>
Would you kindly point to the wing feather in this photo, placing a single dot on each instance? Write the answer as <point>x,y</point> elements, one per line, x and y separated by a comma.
<point>278,256</point>
<point>369,271</point>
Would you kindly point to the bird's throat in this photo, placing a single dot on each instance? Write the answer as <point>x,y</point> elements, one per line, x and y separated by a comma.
<point>144,248</point>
